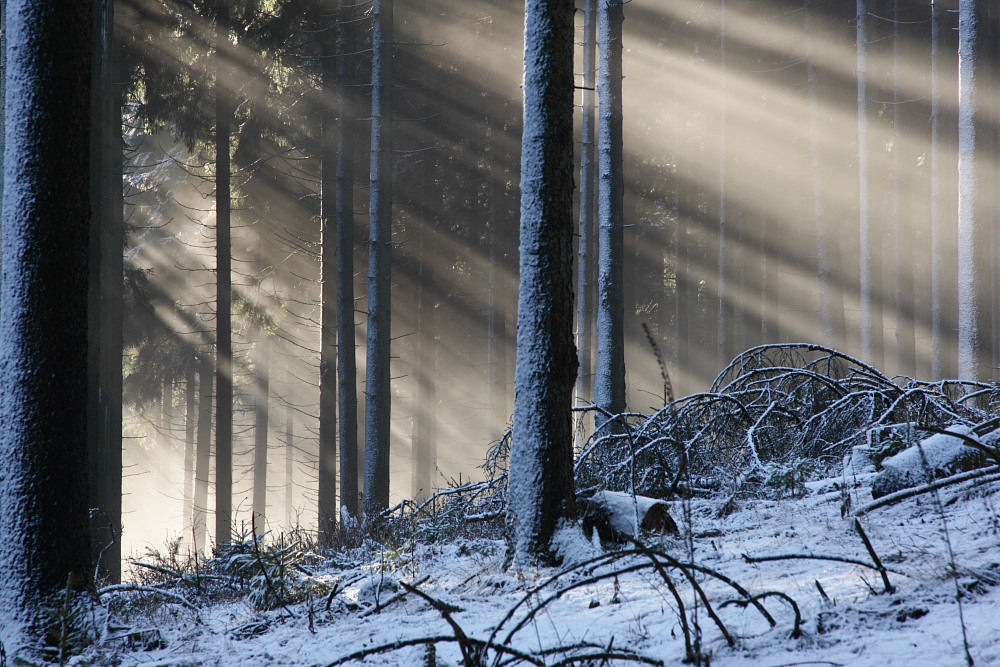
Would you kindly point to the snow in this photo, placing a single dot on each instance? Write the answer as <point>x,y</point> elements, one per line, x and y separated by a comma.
<point>918,625</point>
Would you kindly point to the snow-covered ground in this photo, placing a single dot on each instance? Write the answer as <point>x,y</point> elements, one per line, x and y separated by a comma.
<point>920,624</point>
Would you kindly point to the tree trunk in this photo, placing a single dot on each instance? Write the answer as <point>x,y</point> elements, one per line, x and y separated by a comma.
<point>969,227</point>
<point>609,389</point>
<point>377,408</point>
<point>43,322</point>
<point>106,188</point>
<point>586,265</point>
<point>870,243</point>
<point>347,380</point>
<point>540,494</point>
<point>190,419</point>
<point>223,314</point>
<point>203,454</point>
<point>261,418</point>
<point>327,494</point>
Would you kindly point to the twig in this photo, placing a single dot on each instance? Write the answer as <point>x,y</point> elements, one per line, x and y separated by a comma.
<point>796,627</point>
<point>871,552</point>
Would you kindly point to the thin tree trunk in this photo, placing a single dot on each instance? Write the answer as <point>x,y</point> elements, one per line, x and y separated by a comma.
<point>261,418</point>
<point>203,454</point>
<point>870,245</point>
<point>377,408</point>
<point>586,265</point>
<point>223,314</point>
<point>969,226</point>
<point>724,320</point>
<point>43,321</point>
<point>290,518</point>
<point>540,492</point>
<point>327,494</point>
<point>609,389</point>
<point>190,419</point>
<point>347,382</point>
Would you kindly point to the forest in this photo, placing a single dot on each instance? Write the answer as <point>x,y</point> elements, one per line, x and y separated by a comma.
<point>299,284</point>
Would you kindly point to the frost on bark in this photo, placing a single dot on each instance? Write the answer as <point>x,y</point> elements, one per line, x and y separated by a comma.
<point>969,120</point>
<point>587,245</point>
<point>43,321</point>
<point>377,387</point>
<point>540,493</point>
<point>609,381</point>
<point>327,491</point>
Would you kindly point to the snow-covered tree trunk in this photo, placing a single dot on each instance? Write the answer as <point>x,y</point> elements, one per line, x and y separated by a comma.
<point>377,386</point>
<point>609,380</point>
<point>586,247</point>
<point>43,321</point>
<point>223,277</point>
<point>347,380</point>
<point>327,485</point>
<point>540,491</point>
<point>969,119</point>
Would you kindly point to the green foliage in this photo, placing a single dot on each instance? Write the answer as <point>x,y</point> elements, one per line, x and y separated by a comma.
<point>788,479</point>
<point>71,625</point>
<point>273,573</point>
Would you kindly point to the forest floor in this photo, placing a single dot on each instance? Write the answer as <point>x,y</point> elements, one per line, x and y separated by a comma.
<point>935,547</point>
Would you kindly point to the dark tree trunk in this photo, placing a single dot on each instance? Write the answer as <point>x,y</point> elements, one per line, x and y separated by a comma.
<point>106,315</point>
<point>223,268</point>
<point>347,379</point>
<point>541,463</point>
<point>43,322</point>
<point>327,494</point>
<point>586,266</point>
<point>377,386</point>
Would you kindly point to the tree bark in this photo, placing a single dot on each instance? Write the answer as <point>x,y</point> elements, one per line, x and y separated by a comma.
<point>969,227</point>
<point>327,494</point>
<point>223,268</point>
<point>107,287</point>
<point>586,265</point>
<point>609,389</point>
<point>377,408</point>
<point>540,493</point>
<point>261,419</point>
<point>43,321</point>
<point>347,380</point>
<point>203,454</point>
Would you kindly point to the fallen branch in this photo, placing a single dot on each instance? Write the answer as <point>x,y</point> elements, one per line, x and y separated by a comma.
<point>898,496</point>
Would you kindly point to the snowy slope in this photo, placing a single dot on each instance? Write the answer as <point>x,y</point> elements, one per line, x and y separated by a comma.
<point>860,625</point>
